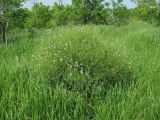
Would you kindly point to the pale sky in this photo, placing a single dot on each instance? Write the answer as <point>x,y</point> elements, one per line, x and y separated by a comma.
<point>29,4</point>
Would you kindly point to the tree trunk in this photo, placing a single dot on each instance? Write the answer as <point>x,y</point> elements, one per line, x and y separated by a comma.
<point>4,32</point>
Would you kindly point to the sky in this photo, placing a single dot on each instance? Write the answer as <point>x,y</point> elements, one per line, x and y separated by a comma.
<point>29,4</point>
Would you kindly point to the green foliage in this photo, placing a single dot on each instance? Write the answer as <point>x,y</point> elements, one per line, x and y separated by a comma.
<point>121,15</point>
<point>91,11</point>
<point>81,12</point>
<point>7,7</point>
<point>147,13</point>
<point>62,15</point>
<point>40,17</point>
<point>18,18</point>
<point>24,95</point>
<point>78,60</point>
<point>149,2</point>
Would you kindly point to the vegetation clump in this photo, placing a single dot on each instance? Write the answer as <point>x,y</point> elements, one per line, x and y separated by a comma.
<point>74,72</point>
<point>78,59</point>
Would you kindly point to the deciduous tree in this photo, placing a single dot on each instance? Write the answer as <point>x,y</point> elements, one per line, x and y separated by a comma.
<point>7,7</point>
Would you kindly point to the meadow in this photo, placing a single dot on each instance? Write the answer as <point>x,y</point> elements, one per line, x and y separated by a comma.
<point>81,73</point>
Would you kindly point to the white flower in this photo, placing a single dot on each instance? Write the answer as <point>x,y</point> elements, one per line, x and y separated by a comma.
<point>61,59</point>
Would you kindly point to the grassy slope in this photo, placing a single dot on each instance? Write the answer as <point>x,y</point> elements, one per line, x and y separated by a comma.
<point>23,96</point>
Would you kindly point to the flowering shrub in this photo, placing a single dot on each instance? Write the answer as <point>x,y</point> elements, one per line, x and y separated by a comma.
<point>76,58</point>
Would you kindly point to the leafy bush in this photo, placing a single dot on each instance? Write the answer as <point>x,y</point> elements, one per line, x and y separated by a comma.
<point>121,15</point>
<point>147,13</point>
<point>77,59</point>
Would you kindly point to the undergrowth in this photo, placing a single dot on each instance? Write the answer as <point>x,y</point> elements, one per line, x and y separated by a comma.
<point>81,73</point>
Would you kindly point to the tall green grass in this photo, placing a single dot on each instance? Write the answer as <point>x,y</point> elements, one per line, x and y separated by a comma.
<point>71,73</point>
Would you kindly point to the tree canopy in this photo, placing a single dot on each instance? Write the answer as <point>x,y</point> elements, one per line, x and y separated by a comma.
<point>79,12</point>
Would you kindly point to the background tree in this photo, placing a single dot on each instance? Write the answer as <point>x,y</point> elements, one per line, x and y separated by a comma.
<point>90,11</point>
<point>40,16</point>
<point>121,13</point>
<point>62,14</point>
<point>147,10</point>
<point>7,7</point>
<point>18,18</point>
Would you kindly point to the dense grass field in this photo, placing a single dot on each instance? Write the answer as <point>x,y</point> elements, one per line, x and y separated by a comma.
<point>82,73</point>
